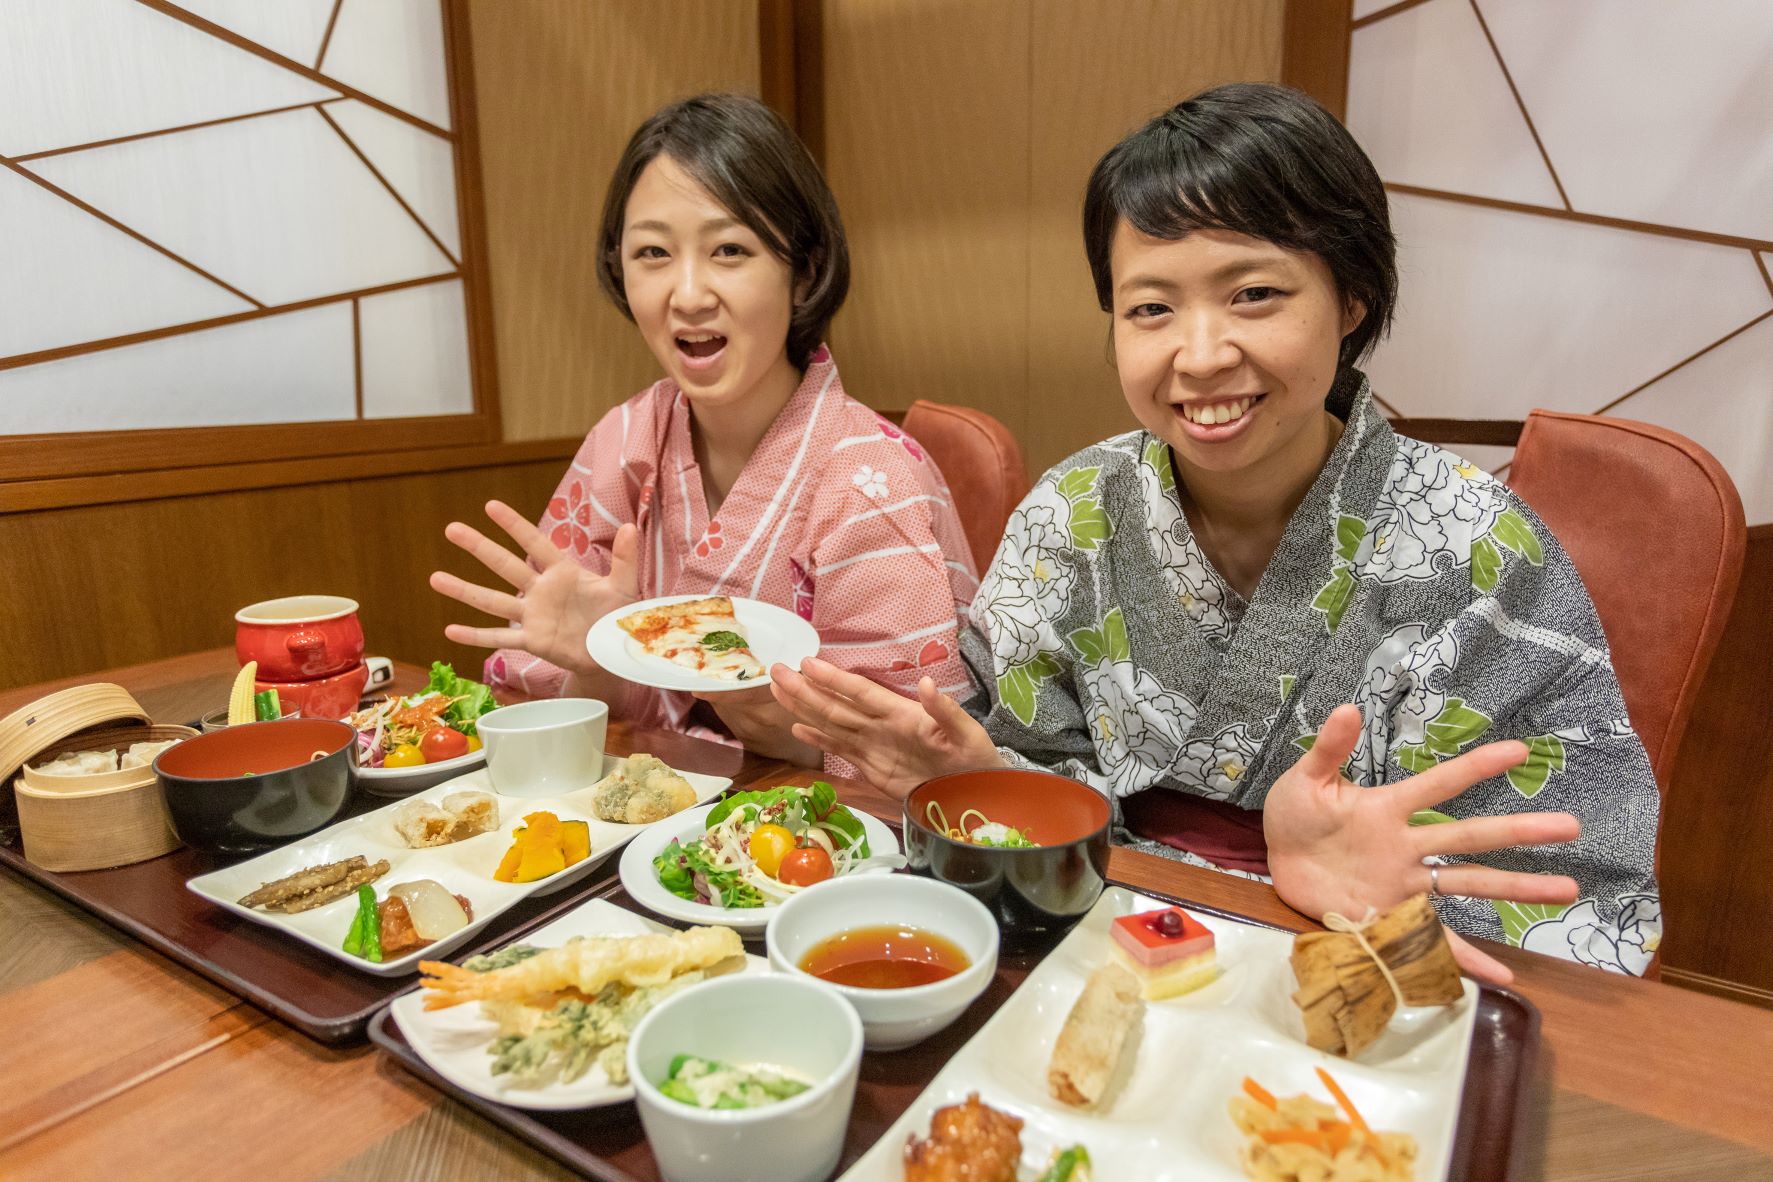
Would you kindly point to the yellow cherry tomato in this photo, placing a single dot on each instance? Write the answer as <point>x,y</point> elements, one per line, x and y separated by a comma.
<point>405,755</point>
<point>769,845</point>
<point>474,743</point>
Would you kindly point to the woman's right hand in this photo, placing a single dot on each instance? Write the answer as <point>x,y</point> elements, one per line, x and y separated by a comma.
<point>896,743</point>
<point>556,600</point>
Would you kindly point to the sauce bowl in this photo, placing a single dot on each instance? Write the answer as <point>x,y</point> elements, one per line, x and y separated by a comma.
<point>891,1018</point>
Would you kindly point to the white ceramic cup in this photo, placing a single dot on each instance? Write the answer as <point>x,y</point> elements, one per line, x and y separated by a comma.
<point>758,1019</point>
<point>545,748</point>
<point>891,1018</point>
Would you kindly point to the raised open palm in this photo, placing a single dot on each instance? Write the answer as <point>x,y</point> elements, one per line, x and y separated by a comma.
<point>896,743</point>
<point>1336,846</point>
<point>556,600</point>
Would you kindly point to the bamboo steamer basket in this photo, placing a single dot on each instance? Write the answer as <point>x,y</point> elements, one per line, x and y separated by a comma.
<point>88,822</point>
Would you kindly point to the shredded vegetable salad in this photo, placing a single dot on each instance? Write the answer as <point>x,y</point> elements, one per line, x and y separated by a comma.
<point>399,727</point>
<point>758,848</point>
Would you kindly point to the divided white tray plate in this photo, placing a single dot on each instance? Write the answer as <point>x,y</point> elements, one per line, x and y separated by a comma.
<point>1167,1117</point>
<point>775,634</point>
<point>642,881</point>
<point>453,1042</point>
<point>465,868</point>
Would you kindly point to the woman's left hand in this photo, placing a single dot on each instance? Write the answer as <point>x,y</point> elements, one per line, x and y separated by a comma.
<point>1336,846</point>
<point>758,722</point>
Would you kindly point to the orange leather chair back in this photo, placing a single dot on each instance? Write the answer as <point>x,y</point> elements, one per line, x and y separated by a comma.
<point>982,463</point>
<point>1656,530</point>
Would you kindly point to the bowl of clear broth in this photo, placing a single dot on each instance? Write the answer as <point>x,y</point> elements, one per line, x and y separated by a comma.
<point>909,953</point>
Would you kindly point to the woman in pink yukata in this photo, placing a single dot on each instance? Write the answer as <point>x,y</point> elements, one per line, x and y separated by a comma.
<point>746,470</point>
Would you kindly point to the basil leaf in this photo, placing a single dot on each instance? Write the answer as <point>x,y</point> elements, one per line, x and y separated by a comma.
<point>720,642</point>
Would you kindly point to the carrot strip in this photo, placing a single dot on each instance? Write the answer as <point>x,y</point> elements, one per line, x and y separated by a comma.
<point>1260,1094</point>
<point>1354,1115</point>
<point>1336,1136</point>
<point>1292,1137</point>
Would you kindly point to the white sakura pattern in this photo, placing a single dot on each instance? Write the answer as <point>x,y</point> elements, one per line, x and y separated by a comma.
<point>1028,586</point>
<point>1216,766</point>
<point>1135,723</point>
<point>1395,696</point>
<point>872,483</point>
<point>1183,568</point>
<point>1624,946</point>
<point>1435,505</point>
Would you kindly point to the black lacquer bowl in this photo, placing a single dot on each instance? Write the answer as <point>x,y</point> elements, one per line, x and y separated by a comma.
<point>258,786</point>
<point>1036,894</point>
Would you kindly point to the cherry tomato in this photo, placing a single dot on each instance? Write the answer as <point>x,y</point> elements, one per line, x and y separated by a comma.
<point>443,742</point>
<point>405,755</point>
<point>805,867</point>
<point>474,743</point>
<point>769,845</point>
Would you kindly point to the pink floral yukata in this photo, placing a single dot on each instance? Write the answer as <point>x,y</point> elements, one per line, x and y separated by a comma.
<point>838,516</point>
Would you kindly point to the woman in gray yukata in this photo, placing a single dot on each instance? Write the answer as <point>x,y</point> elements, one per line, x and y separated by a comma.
<point>1281,638</point>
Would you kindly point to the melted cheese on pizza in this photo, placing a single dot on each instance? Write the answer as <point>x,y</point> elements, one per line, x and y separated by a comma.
<point>678,633</point>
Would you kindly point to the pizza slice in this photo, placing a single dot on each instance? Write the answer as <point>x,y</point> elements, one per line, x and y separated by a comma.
<point>702,634</point>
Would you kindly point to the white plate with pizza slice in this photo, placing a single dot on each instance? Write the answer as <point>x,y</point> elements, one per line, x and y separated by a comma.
<point>700,643</point>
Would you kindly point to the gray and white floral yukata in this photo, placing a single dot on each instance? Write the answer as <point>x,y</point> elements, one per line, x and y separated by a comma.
<point>1407,582</point>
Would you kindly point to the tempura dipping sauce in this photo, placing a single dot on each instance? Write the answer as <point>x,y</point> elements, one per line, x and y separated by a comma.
<point>888,956</point>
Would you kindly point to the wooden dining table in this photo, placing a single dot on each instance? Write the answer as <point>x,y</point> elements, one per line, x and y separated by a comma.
<point>119,1063</point>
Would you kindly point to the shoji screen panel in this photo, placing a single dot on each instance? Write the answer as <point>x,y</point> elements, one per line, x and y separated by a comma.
<point>1581,193</point>
<point>225,218</point>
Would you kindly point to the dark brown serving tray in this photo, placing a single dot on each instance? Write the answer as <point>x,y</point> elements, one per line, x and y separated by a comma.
<point>300,985</point>
<point>608,1143</point>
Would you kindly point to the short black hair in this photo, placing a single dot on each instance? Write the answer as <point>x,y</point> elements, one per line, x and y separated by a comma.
<point>742,153</point>
<point>1257,159</point>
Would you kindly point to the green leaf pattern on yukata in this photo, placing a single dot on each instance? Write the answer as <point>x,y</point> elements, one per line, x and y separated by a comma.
<point>1019,686</point>
<point>1157,457</point>
<point>1486,565</point>
<point>1452,728</point>
<point>1545,755</point>
<point>1518,917</point>
<point>1334,596</point>
<point>1350,532</point>
<point>1089,526</point>
<point>1511,530</point>
<point>1107,643</point>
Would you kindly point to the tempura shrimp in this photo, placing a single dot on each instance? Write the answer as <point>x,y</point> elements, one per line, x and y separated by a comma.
<point>586,964</point>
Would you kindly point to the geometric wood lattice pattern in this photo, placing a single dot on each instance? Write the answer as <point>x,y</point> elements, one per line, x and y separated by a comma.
<point>1581,194</point>
<point>225,213</point>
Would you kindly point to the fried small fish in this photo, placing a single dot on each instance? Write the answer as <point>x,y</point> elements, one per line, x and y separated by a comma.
<point>315,886</point>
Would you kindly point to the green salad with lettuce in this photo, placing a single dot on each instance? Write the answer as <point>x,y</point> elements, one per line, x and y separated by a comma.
<point>758,848</point>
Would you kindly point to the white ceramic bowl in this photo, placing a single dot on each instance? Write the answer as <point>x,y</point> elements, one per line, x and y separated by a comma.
<point>544,748</point>
<point>891,1018</point>
<point>793,1022</point>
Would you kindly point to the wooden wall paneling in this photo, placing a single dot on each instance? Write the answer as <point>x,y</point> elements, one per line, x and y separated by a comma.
<point>464,114</point>
<point>926,128</point>
<point>1314,54</point>
<point>1100,68</point>
<point>1717,831</point>
<point>560,86</point>
<point>102,585</point>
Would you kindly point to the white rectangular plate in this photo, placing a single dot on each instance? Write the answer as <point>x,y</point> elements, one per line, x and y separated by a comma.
<point>465,867</point>
<point>1167,1117</point>
<point>453,1042</point>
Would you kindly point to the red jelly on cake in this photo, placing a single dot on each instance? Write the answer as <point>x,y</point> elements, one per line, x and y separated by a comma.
<point>1169,951</point>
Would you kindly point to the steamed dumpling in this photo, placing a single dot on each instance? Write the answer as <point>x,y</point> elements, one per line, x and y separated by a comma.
<point>79,763</point>
<point>144,754</point>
